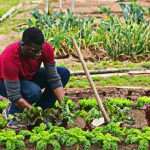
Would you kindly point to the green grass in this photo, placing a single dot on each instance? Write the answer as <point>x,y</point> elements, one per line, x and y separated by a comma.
<point>135,81</point>
<point>5,28</point>
<point>6,5</point>
<point>73,67</point>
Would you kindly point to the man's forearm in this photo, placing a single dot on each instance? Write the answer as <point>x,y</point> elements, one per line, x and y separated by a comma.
<point>22,104</point>
<point>59,92</point>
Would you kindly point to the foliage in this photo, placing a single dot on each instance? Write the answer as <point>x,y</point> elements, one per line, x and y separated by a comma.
<point>141,101</point>
<point>29,117</point>
<point>74,136</point>
<point>59,27</point>
<point>114,129</point>
<point>35,116</point>
<point>106,137</point>
<point>69,102</point>
<point>11,140</point>
<point>88,116</point>
<point>25,133</point>
<point>115,80</point>
<point>135,135</point>
<point>7,5</point>
<point>107,141</point>
<point>2,121</point>
<point>44,138</point>
<point>120,110</point>
<point>123,40</point>
<point>105,10</point>
<point>120,40</point>
<point>66,114</point>
<point>132,12</point>
<point>121,102</point>
<point>145,129</point>
<point>3,104</point>
<point>87,104</point>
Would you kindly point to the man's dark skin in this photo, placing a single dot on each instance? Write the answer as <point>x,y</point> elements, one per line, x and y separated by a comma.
<point>34,51</point>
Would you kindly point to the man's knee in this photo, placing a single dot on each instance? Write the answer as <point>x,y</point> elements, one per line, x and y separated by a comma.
<point>67,72</point>
<point>64,74</point>
<point>32,93</point>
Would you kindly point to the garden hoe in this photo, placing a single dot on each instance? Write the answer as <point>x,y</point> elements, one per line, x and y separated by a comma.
<point>100,121</point>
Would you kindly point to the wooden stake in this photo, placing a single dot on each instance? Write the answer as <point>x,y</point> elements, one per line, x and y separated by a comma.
<point>107,119</point>
<point>10,11</point>
<point>72,6</point>
<point>60,5</point>
<point>47,7</point>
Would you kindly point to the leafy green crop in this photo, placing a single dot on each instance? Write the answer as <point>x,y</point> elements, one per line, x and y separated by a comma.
<point>135,135</point>
<point>121,102</point>
<point>74,136</point>
<point>29,117</point>
<point>3,105</point>
<point>120,110</point>
<point>88,104</point>
<point>44,138</point>
<point>2,121</point>
<point>35,116</point>
<point>106,141</point>
<point>88,116</point>
<point>142,100</point>
<point>124,41</point>
<point>132,12</point>
<point>114,129</point>
<point>66,114</point>
<point>11,140</point>
<point>106,137</point>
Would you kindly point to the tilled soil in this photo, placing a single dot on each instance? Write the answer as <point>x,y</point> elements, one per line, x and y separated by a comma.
<point>110,91</point>
<point>141,117</point>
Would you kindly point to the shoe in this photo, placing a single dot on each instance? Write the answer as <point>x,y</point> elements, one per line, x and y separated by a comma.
<point>5,112</point>
<point>13,124</point>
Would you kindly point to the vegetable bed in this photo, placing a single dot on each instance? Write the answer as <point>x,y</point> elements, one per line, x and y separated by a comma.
<point>69,126</point>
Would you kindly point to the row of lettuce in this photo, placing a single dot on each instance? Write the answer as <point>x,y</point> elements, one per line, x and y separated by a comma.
<point>120,39</point>
<point>54,121</point>
<point>119,110</point>
<point>108,137</point>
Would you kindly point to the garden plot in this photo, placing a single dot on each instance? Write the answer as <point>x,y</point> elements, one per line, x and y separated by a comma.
<point>69,127</point>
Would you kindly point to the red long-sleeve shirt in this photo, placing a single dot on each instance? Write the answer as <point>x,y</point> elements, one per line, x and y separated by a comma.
<point>14,67</point>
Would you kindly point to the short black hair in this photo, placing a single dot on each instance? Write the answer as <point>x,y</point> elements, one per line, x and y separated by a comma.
<point>33,34</point>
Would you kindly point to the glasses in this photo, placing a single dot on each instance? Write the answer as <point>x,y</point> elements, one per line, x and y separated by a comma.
<point>36,50</point>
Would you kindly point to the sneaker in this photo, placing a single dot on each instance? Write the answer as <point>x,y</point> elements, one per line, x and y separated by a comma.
<point>5,112</point>
<point>13,124</point>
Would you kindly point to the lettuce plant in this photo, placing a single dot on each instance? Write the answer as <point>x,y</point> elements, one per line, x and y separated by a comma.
<point>142,100</point>
<point>11,140</point>
<point>135,135</point>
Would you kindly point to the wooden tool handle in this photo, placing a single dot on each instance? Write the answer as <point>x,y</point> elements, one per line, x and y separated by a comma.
<point>90,80</point>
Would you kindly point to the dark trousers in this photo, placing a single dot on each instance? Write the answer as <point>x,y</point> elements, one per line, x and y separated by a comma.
<point>31,89</point>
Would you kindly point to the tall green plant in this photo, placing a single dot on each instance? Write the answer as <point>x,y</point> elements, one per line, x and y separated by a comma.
<point>132,12</point>
<point>122,40</point>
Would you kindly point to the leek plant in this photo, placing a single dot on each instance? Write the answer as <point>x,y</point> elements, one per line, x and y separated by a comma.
<point>122,40</point>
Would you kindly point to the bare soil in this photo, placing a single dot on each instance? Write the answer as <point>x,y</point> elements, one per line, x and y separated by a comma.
<point>141,117</point>
<point>108,91</point>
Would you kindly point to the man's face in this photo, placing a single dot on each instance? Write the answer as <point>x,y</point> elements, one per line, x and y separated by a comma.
<point>32,50</point>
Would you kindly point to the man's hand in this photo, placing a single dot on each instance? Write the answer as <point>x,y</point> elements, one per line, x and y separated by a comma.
<point>22,104</point>
<point>59,92</point>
